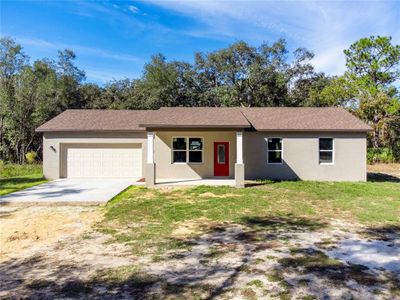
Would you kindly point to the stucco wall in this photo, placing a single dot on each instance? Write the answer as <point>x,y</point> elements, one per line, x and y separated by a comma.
<point>165,169</point>
<point>300,154</point>
<point>301,157</point>
<point>55,143</point>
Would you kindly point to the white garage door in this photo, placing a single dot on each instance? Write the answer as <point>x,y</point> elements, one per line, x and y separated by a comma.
<point>104,162</point>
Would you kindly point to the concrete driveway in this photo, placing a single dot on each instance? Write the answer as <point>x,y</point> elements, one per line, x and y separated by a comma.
<point>69,192</point>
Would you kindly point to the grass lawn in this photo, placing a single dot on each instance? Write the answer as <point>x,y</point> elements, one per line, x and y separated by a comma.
<point>271,240</point>
<point>149,218</point>
<point>18,177</point>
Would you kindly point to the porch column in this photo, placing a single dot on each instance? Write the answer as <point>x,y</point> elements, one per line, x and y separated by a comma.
<point>239,165</point>
<point>150,166</point>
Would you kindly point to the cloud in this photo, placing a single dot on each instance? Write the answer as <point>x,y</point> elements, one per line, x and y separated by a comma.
<point>79,49</point>
<point>325,27</point>
<point>331,59</point>
<point>133,8</point>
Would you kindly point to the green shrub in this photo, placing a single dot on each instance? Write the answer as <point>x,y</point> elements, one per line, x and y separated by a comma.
<point>380,155</point>
<point>30,157</point>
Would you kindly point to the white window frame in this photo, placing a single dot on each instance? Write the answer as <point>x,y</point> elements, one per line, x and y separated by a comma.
<point>187,150</point>
<point>333,151</point>
<point>275,163</point>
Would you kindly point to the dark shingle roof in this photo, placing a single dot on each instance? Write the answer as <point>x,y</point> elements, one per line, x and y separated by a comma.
<point>303,119</point>
<point>196,117</point>
<point>261,119</point>
<point>96,120</point>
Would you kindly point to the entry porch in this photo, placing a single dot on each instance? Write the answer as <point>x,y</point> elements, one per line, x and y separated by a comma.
<point>194,157</point>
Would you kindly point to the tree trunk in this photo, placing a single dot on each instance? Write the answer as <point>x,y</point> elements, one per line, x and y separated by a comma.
<point>1,137</point>
<point>375,137</point>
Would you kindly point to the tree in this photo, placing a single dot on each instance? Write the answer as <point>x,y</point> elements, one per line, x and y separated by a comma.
<point>238,75</point>
<point>89,95</point>
<point>12,60</point>
<point>372,67</point>
<point>305,84</point>
<point>69,79</point>
<point>374,63</point>
<point>367,87</point>
<point>31,95</point>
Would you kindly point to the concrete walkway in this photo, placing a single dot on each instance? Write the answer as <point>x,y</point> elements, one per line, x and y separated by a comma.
<point>69,192</point>
<point>194,182</point>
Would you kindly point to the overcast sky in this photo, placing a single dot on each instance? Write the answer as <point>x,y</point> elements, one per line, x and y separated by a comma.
<point>114,39</point>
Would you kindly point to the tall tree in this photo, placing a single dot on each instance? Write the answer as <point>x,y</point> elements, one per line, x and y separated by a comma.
<point>12,60</point>
<point>368,87</point>
<point>69,79</point>
<point>374,64</point>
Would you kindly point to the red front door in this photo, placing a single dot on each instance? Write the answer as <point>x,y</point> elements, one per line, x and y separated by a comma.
<point>221,159</point>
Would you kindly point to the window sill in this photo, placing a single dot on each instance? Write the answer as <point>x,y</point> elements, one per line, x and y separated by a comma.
<point>326,164</point>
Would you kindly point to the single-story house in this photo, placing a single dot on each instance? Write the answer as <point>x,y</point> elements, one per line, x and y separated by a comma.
<point>177,143</point>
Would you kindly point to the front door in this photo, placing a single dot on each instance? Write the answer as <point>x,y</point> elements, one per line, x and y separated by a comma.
<point>221,159</point>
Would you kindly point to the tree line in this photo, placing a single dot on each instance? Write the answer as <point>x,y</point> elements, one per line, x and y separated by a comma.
<point>239,75</point>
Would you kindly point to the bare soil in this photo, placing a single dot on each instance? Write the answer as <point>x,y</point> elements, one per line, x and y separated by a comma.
<point>43,249</point>
<point>384,171</point>
<point>55,252</point>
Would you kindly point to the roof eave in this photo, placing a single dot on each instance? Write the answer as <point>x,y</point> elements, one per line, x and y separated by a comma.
<point>313,130</point>
<point>88,130</point>
<point>192,126</point>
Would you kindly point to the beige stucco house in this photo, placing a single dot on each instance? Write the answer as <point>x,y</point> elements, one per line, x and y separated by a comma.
<point>209,142</point>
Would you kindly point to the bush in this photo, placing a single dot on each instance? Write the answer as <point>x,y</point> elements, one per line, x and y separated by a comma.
<point>380,155</point>
<point>31,157</point>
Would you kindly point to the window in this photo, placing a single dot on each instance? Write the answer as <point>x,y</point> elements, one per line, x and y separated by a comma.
<point>326,151</point>
<point>195,150</point>
<point>187,150</point>
<point>221,154</point>
<point>274,146</point>
<point>178,150</point>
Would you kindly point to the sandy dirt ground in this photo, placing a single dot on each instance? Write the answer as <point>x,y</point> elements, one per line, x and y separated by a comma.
<point>26,229</point>
<point>57,245</point>
<point>385,169</point>
<point>55,252</point>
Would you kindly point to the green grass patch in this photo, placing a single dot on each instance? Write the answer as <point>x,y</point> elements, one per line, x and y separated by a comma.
<point>116,275</point>
<point>18,177</point>
<point>14,170</point>
<point>257,283</point>
<point>147,218</point>
<point>318,260</point>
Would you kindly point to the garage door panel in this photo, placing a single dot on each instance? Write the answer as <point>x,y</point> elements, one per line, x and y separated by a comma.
<point>104,162</point>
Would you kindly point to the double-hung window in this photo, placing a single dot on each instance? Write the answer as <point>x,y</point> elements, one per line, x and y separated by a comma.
<point>179,150</point>
<point>326,150</point>
<point>274,149</point>
<point>187,150</point>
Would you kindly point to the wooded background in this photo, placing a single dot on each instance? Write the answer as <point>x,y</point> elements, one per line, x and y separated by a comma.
<point>240,75</point>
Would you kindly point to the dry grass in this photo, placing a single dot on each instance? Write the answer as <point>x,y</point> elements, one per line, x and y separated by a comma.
<point>390,169</point>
